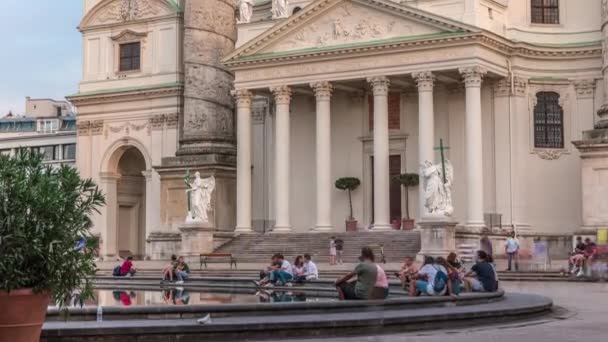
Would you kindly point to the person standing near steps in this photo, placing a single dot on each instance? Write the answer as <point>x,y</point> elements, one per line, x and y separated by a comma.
<point>339,250</point>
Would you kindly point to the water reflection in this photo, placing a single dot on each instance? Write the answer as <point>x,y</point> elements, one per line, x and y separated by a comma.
<point>177,296</point>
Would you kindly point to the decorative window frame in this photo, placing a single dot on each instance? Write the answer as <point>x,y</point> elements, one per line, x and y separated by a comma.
<point>563,89</point>
<point>562,15</point>
<point>126,37</point>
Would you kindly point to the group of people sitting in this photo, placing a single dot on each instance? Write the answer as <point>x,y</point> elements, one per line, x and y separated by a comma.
<point>583,255</point>
<point>447,276</point>
<point>176,269</point>
<point>282,273</point>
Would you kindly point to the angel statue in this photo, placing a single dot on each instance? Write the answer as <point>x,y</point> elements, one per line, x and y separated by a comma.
<point>438,187</point>
<point>245,11</point>
<point>199,199</point>
<point>279,9</point>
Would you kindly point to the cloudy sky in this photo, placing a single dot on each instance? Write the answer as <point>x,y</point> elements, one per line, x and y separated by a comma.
<point>40,55</point>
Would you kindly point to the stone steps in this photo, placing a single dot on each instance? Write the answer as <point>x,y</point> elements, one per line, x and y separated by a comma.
<point>260,247</point>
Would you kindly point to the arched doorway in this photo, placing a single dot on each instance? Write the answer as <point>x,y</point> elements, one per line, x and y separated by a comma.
<point>131,204</point>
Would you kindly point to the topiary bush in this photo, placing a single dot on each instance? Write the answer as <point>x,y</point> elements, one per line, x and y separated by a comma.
<point>348,184</point>
<point>44,211</point>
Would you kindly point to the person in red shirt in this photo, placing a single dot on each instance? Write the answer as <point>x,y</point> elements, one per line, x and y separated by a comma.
<point>127,268</point>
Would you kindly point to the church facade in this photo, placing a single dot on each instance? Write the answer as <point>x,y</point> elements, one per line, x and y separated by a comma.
<point>340,88</point>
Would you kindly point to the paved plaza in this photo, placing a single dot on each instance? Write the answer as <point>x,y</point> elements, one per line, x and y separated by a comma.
<point>584,319</point>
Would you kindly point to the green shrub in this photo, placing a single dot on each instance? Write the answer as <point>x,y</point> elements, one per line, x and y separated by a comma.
<point>349,184</point>
<point>43,212</point>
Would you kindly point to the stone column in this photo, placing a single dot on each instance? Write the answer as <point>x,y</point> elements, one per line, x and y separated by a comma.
<point>323,92</point>
<point>109,231</point>
<point>585,96</point>
<point>473,141</point>
<point>602,113</point>
<point>426,128</point>
<point>380,85</point>
<point>243,161</point>
<point>282,159</point>
<point>207,127</point>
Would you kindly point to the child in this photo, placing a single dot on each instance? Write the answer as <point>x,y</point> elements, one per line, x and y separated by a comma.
<point>407,271</point>
<point>332,250</point>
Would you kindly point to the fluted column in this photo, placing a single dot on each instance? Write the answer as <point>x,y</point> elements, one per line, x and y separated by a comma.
<point>426,128</point>
<point>282,98</point>
<point>472,77</point>
<point>243,161</point>
<point>380,85</point>
<point>323,92</point>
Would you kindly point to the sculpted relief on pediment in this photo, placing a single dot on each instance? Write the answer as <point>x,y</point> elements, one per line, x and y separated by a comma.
<point>119,11</point>
<point>350,23</point>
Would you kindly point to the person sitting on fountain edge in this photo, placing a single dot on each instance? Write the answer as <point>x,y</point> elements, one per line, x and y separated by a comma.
<point>311,272</point>
<point>182,271</point>
<point>482,276</point>
<point>367,278</point>
<point>432,279</point>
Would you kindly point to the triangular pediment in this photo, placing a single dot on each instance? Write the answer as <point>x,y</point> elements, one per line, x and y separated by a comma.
<point>340,23</point>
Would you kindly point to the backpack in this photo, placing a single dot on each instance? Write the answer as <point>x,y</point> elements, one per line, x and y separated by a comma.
<point>441,280</point>
<point>116,271</point>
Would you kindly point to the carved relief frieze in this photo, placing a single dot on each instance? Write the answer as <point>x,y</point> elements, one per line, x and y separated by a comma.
<point>84,127</point>
<point>351,23</point>
<point>584,88</point>
<point>128,10</point>
<point>97,127</point>
<point>515,86</point>
<point>171,120</point>
<point>550,154</point>
<point>127,127</point>
<point>129,36</point>
<point>157,122</point>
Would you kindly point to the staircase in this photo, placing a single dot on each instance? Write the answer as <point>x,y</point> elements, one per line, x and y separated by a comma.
<point>260,247</point>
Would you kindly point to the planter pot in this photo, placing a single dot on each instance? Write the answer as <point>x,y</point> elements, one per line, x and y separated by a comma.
<point>408,224</point>
<point>351,225</point>
<point>23,313</point>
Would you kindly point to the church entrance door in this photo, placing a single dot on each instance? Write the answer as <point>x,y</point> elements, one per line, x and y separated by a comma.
<point>395,188</point>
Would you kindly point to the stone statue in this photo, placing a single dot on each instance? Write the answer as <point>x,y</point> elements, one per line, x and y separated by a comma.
<point>279,9</point>
<point>245,11</point>
<point>437,188</point>
<point>199,200</point>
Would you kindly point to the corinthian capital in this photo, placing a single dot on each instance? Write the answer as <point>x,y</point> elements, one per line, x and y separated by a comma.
<point>282,94</point>
<point>425,80</point>
<point>243,97</point>
<point>472,75</point>
<point>322,90</point>
<point>379,84</point>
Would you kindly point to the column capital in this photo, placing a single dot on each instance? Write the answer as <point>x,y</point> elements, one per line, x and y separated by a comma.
<point>282,94</point>
<point>379,84</point>
<point>322,90</point>
<point>584,88</point>
<point>243,97</point>
<point>425,80</point>
<point>507,86</point>
<point>472,75</point>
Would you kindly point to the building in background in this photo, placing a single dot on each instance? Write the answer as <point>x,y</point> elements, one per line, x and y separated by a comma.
<point>48,126</point>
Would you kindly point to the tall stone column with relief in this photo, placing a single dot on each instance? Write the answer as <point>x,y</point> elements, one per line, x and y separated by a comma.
<point>593,147</point>
<point>207,143</point>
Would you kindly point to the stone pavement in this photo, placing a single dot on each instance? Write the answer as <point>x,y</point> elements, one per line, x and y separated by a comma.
<point>585,320</point>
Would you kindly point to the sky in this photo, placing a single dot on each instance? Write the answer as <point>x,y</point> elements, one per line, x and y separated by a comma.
<point>40,51</point>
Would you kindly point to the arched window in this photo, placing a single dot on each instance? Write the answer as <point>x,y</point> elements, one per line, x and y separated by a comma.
<point>548,121</point>
<point>545,11</point>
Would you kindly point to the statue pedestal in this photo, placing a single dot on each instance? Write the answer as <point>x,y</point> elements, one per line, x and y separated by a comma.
<point>162,245</point>
<point>438,238</point>
<point>197,239</point>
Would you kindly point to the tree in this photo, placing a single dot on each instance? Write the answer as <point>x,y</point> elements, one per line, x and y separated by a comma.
<point>349,184</point>
<point>408,180</point>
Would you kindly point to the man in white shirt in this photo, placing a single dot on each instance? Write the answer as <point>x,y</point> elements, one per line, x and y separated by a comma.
<point>310,269</point>
<point>512,249</point>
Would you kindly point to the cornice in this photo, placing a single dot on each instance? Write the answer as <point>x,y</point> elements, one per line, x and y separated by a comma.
<point>126,95</point>
<point>486,39</point>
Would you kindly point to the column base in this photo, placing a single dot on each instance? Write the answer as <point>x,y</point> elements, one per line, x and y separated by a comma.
<point>475,227</point>
<point>322,229</point>
<point>243,230</point>
<point>438,239</point>
<point>382,227</point>
<point>284,229</point>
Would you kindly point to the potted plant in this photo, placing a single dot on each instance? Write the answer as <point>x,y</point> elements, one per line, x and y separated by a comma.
<point>349,184</point>
<point>44,218</point>
<point>408,180</point>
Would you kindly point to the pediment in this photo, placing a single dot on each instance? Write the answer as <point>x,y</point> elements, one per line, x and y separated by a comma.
<point>336,23</point>
<point>109,12</point>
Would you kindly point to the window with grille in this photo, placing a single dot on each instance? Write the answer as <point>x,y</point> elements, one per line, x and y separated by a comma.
<point>548,121</point>
<point>130,56</point>
<point>545,11</point>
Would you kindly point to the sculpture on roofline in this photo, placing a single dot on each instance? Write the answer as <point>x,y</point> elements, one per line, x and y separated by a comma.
<point>245,11</point>
<point>279,9</point>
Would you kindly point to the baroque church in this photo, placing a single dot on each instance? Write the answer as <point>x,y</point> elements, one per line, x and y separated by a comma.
<point>278,99</point>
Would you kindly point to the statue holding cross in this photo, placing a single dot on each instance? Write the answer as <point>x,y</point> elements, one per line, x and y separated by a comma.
<point>437,185</point>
